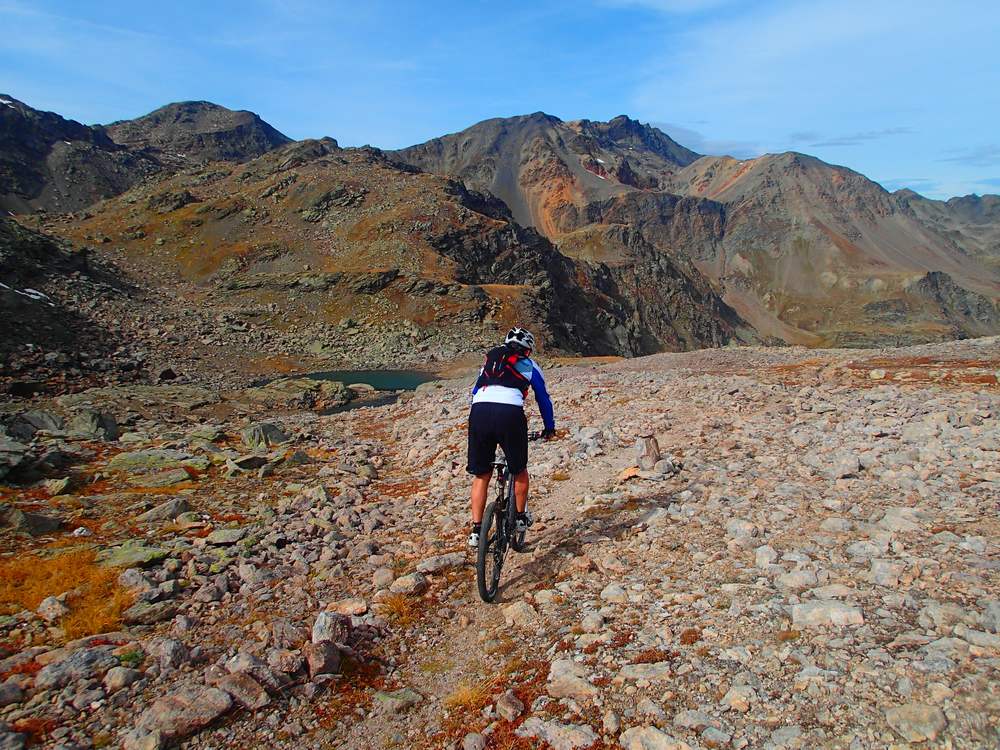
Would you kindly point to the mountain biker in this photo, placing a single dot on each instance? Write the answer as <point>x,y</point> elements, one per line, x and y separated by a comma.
<point>497,418</point>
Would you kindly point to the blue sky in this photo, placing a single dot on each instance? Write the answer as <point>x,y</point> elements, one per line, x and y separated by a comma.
<point>907,92</point>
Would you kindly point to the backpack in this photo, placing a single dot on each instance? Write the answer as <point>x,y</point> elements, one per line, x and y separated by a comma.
<point>500,368</point>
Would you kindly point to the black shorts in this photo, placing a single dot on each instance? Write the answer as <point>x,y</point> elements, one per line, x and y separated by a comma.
<point>491,425</point>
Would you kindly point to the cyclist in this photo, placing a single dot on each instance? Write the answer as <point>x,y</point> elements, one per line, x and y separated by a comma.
<point>497,418</point>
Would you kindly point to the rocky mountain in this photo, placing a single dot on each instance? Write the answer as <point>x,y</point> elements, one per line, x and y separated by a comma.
<point>807,252</point>
<point>49,162</point>
<point>972,222</point>
<point>195,132</point>
<point>347,255</point>
<point>537,164</point>
<point>655,246</point>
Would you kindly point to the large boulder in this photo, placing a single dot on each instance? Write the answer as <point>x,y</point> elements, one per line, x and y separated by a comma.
<point>185,711</point>
<point>34,524</point>
<point>261,436</point>
<point>132,554</point>
<point>12,455</point>
<point>96,425</point>
<point>26,424</point>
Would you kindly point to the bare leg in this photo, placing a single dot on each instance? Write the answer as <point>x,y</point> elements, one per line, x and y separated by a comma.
<point>521,491</point>
<point>479,485</point>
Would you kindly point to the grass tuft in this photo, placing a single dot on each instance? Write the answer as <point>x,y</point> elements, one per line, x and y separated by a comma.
<point>95,599</point>
<point>400,609</point>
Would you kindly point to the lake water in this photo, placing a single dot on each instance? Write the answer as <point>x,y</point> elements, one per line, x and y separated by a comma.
<point>380,380</point>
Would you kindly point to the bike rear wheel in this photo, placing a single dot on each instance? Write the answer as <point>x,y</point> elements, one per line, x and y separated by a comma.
<point>489,559</point>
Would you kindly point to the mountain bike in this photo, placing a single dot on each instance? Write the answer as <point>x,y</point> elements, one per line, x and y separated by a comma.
<point>499,531</point>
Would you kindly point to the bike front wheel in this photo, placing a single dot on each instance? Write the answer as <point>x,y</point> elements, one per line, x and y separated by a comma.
<point>489,559</point>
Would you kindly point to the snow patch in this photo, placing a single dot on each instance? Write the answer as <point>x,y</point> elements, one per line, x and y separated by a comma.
<point>601,161</point>
<point>33,294</point>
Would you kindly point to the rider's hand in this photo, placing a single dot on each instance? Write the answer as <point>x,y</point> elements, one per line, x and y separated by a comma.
<point>548,434</point>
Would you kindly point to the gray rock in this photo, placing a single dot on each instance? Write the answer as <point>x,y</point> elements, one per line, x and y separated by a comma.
<point>120,677</point>
<point>509,706</point>
<point>52,609</point>
<point>991,615</point>
<point>650,738</point>
<point>149,613</point>
<point>655,672</point>
<point>520,614</point>
<point>258,669</point>
<point>132,554</point>
<point>226,536</point>
<point>398,700</point>
<point>692,719</point>
<point>82,664</point>
<point>614,593</point>
<point>165,511</point>
<point>10,693</point>
<point>171,653</point>
<point>95,425</point>
<point>321,658</point>
<point>245,689</point>
<point>916,722</point>
<point>382,578</point>
<point>185,711</point>
<point>331,626</point>
<point>34,524</point>
<point>261,436</point>
<point>822,613</point>
<point>12,455</point>
<point>473,741</point>
<point>567,679</point>
<point>25,425</point>
<point>412,584</point>
<point>441,562</point>
<point>13,741</point>
<point>558,736</point>
<point>137,739</point>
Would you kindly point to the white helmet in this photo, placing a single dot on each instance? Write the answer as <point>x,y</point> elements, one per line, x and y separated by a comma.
<point>520,337</point>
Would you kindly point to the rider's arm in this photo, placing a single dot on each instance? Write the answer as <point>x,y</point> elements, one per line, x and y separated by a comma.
<point>542,397</point>
<point>479,383</point>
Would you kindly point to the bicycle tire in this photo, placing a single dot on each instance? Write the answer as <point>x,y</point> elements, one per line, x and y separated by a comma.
<point>489,556</point>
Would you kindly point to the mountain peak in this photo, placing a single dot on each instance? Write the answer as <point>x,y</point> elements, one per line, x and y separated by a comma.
<point>199,131</point>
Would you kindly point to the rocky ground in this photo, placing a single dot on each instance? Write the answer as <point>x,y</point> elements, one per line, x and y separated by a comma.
<point>809,562</point>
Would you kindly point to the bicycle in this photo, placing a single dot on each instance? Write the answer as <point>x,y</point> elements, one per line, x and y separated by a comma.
<point>499,530</point>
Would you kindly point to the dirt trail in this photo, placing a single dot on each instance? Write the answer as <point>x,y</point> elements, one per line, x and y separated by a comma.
<point>450,656</point>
